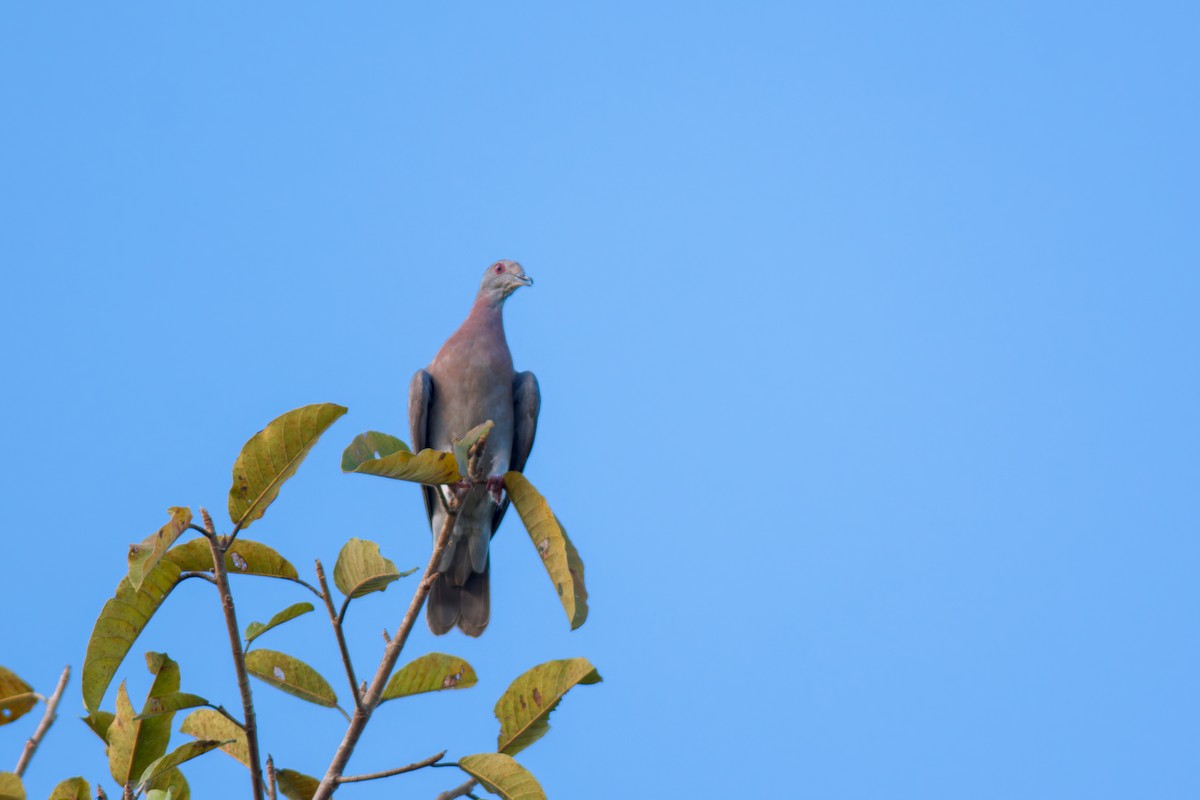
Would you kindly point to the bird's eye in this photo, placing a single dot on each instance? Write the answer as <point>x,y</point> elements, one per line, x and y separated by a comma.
<point>499,268</point>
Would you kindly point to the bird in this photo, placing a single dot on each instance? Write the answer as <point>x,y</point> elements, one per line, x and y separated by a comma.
<point>471,380</point>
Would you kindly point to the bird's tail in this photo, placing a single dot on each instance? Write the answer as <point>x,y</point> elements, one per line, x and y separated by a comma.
<point>460,596</point>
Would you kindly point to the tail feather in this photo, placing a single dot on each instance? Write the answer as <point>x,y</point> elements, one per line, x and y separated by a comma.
<point>460,597</point>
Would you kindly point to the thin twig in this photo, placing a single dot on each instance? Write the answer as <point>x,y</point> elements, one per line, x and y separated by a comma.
<point>271,777</point>
<point>391,655</point>
<point>387,773</point>
<point>250,726</point>
<point>338,633</point>
<point>48,718</point>
<point>100,795</point>
<point>458,791</point>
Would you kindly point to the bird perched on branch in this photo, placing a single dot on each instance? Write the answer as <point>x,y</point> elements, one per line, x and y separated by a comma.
<point>470,381</point>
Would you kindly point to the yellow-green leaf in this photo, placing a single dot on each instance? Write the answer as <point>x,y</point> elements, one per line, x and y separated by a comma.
<point>121,621</point>
<point>559,556</point>
<point>11,787</point>
<point>524,708</point>
<point>290,675</point>
<point>16,696</point>
<point>272,455</point>
<point>168,704</point>
<point>246,557</point>
<point>176,757</point>
<point>99,721</point>
<point>296,785</point>
<point>256,629</point>
<point>144,556</point>
<point>215,726</point>
<point>170,785</point>
<point>362,569</point>
<point>370,446</point>
<point>133,743</point>
<point>501,775</point>
<point>428,466</point>
<point>72,789</point>
<point>462,447</point>
<point>430,673</point>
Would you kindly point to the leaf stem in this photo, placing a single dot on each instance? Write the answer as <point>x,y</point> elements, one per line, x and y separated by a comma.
<point>250,726</point>
<point>387,773</point>
<point>48,718</point>
<point>391,654</point>
<point>336,622</point>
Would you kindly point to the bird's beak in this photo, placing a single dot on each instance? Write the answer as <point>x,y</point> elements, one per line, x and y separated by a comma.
<point>526,280</point>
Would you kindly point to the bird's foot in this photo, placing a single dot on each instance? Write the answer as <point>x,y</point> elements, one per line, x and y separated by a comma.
<point>495,485</point>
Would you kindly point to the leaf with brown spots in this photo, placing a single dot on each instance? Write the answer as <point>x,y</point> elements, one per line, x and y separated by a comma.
<point>245,557</point>
<point>524,708</point>
<point>430,673</point>
<point>374,453</point>
<point>72,789</point>
<point>558,554</point>
<point>145,555</point>
<point>272,455</point>
<point>11,787</point>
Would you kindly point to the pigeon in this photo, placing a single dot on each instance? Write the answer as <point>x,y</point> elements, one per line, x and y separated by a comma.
<point>470,381</point>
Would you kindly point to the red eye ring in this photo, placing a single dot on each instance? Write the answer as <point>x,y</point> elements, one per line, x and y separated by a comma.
<point>499,268</point>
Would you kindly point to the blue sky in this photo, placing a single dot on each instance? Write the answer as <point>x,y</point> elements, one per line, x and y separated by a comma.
<point>866,337</point>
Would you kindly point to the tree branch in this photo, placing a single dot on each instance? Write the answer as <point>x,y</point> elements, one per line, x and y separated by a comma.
<point>391,655</point>
<point>48,718</point>
<point>336,622</point>
<point>250,726</point>
<point>458,791</point>
<point>387,773</point>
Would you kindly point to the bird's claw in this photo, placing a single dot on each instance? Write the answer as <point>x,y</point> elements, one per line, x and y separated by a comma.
<point>495,485</point>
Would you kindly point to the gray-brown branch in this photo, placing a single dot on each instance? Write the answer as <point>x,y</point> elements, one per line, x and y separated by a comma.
<point>339,634</point>
<point>249,724</point>
<point>391,654</point>
<point>48,718</point>
<point>387,773</point>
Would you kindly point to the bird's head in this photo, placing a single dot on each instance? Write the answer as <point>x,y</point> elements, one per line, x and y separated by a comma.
<point>503,278</point>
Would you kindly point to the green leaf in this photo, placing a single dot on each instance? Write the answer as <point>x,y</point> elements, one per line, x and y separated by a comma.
<point>428,466</point>
<point>11,787</point>
<point>99,722</point>
<point>170,785</point>
<point>296,785</point>
<point>290,675</point>
<point>524,708</point>
<point>72,789</point>
<point>500,775</point>
<point>256,629</point>
<point>272,455</point>
<point>370,446</point>
<point>145,556</point>
<point>215,726</point>
<point>168,704</point>
<point>362,569</point>
<point>121,621</point>
<point>559,556</point>
<point>176,757</point>
<point>430,673</point>
<point>462,446</point>
<point>16,697</point>
<point>132,743</point>
<point>246,557</point>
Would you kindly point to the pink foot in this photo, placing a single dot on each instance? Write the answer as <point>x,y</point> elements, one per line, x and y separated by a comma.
<point>495,485</point>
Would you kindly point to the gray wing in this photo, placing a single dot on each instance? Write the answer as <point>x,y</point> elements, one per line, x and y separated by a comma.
<point>420,397</point>
<point>527,403</point>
